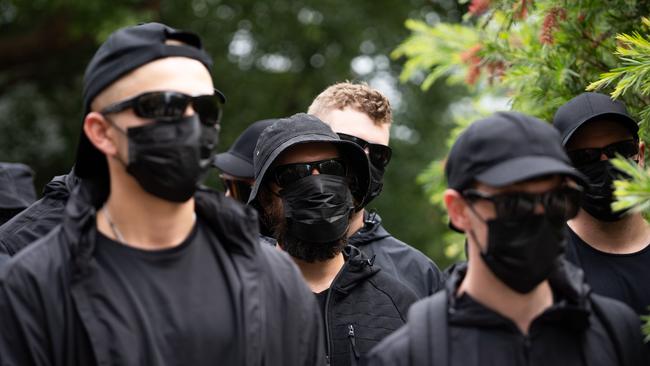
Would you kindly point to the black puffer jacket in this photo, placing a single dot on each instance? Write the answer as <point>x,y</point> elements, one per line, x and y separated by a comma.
<point>47,293</point>
<point>40,217</point>
<point>399,259</point>
<point>570,332</point>
<point>364,305</point>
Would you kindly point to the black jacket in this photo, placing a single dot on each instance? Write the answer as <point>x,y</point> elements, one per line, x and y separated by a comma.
<point>399,259</point>
<point>39,218</point>
<point>364,305</point>
<point>47,292</point>
<point>570,332</point>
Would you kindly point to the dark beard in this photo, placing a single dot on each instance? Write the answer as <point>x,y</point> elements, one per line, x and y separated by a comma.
<point>309,252</point>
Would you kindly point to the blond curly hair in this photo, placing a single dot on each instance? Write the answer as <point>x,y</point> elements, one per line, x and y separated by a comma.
<point>358,96</point>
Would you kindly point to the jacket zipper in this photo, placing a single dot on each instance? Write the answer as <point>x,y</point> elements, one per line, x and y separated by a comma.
<point>353,343</point>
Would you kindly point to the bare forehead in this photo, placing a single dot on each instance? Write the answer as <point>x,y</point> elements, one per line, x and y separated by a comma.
<point>307,152</point>
<point>172,73</point>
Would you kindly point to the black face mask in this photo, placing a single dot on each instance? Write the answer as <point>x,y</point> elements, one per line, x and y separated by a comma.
<point>523,252</point>
<point>165,157</point>
<point>600,195</point>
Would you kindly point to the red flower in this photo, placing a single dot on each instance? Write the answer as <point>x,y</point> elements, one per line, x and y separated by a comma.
<point>478,7</point>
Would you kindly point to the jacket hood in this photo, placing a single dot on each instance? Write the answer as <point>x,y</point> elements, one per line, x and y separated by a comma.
<point>357,268</point>
<point>370,232</point>
<point>61,185</point>
<point>16,186</point>
<point>571,306</point>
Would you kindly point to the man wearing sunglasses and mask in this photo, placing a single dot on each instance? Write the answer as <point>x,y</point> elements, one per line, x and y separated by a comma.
<point>611,247</point>
<point>361,114</point>
<point>308,183</point>
<point>516,301</point>
<point>147,269</point>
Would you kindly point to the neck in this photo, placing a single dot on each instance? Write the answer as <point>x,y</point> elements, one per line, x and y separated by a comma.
<point>628,235</point>
<point>486,288</point>
<point>143,220</point>
<point>320,275</point>
<point>356,223</point>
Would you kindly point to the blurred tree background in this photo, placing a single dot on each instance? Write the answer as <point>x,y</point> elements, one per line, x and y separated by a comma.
<point>271,59</point>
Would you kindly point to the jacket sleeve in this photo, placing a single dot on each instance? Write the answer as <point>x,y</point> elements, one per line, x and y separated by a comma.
<point>391,351</point>
<point>23,335</point>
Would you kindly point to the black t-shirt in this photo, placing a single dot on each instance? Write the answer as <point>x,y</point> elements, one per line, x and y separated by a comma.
<point>624,277</point>
<point>167,307</point>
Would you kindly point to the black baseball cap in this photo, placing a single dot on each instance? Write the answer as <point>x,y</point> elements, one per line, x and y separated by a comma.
<point>588,107</point>
<point>506,148</point>
<point>238,160</point>
<point>124,51</point>
<point>304,128</point>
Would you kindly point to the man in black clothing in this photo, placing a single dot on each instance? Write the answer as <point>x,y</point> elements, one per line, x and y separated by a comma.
<point>236,164</point>
<point>40,217</point>
<point>361,114</point>
<point>612,248</point>
<point>145,269</point>
<point>16,189</point>
<point>516,301</point>
<point>308,182</point>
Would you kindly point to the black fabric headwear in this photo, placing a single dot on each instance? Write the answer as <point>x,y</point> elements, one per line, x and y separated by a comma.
<point>304,128</point>
<point>124,51</point>
<point>238,160</point>
<point>588,107</point>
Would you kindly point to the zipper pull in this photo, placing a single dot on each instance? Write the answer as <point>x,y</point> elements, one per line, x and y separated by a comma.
<point>353,343</point>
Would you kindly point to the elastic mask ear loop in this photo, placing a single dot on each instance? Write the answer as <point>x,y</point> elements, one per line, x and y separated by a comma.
<point>471,232</point>
<point>121,130</point>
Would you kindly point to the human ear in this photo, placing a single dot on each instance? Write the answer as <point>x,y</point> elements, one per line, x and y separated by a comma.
<point>97,129</point>
<point>641,154</point>
<point>456,209</point>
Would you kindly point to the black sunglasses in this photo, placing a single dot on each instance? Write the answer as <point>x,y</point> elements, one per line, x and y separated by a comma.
<point>563,202</point>
<point>627,148</point>
<point>378,154</point>
<point>171,104</point>
<point>239,189</point>
<point>289,173</point>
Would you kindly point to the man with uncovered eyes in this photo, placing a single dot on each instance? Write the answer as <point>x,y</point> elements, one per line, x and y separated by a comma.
<point>308,185</point>
<point>146,268</point>
<point>611,247</point>
<point>516,301</point>
<point>361,114</point>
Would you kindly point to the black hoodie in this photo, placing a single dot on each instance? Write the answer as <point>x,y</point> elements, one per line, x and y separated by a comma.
<point>478,335</point>
<point>47,293</point>
<point>399,259</point>
<point>364,305</point>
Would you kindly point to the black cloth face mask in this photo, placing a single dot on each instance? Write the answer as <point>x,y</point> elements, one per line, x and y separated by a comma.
<point>600,195</point>
<point>317,208</point>
<point>376,183</point>
<point>522,252</point>
<point>165,157</point>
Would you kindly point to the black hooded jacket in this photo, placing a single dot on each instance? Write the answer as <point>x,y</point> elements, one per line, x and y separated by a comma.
<point>399,259</point>
<point>364,305</point>
<point>570,332</point>
<point>16,189</point>
<point>47,292</point>
<point>39,218</point>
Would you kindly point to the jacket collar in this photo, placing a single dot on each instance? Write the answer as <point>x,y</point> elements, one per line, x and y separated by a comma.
<point>357,268</point>
<point>371,231</point>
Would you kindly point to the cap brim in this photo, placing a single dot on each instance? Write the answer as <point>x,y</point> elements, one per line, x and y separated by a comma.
<point>528,167</point>
<point>356,154</point>
<point>232,164</point>
<point>629,122</point>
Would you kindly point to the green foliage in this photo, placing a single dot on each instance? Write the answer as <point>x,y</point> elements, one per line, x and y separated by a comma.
<point>537,54</point>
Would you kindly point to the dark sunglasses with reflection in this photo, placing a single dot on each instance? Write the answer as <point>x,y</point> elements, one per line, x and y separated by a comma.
<point>562,202</point>
<point>378,154</point>
<point>172,105</point>
<point>283,175</point>
<point>581,157</point>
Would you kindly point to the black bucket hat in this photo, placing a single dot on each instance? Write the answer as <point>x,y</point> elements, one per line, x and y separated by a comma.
<point>124,51</point>
<point>303,128</point>
<point>238,160</point>
<point>588,107</point>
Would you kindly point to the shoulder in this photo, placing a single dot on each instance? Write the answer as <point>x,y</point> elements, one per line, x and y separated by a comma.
<point>392,350</point>
<point>400,294</point>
